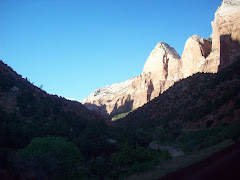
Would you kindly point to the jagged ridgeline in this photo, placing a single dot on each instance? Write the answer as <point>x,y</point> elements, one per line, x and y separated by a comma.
<point>164,66</point>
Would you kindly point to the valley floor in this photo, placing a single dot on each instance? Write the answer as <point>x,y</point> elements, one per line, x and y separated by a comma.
<point>217,162</point>
<point>220,165</point>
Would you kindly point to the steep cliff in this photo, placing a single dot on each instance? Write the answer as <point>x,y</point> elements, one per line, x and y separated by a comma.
<point>160,72</point>
<point>164,66</point>
<point>194,55</point>
<point>225,36</point>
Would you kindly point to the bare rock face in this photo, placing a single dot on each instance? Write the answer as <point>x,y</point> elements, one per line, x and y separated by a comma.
<point>164,66</point>
<point>194,55</point>
<point>160,72</point>
<point>226,22</point>
<point>225,39</point>
<point>225,35</point>
<point>106,99</point>
<point>158,61</point>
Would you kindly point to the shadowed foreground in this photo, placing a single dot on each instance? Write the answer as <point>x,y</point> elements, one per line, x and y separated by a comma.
<point>221,165</point>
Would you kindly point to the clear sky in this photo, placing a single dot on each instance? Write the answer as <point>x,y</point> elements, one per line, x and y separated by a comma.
<point>73,47</point>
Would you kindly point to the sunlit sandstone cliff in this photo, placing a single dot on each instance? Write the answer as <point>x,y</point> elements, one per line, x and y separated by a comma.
<point>225,36</point>
<point>164,66</point>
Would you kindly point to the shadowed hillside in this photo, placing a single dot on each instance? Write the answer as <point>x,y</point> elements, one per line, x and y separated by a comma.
<point>200,101</point>
<point>26,111</point>
<point>48,137</point>
<point>42,134</point>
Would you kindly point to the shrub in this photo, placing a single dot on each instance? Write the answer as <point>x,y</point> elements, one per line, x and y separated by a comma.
<point>128,155</point>
<point>141,167</point>
<point>165,155</point>
<point>235,133</point>
<point>49,156</point>
<point>197,140</point>
<point>98,167</point>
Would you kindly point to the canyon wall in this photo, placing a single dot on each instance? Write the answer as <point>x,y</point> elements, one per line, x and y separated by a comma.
<point>164,66</point>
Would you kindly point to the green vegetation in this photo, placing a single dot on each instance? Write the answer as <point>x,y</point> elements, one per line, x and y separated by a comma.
<point>49,156</point>
<point>198,140</point>
<point>46,137</point>
<point>235,134</point>
<point>128,155</point>
<point>209,39</point>
<point>179,162</point>
<point>133,159</point>
<point>120,116</point>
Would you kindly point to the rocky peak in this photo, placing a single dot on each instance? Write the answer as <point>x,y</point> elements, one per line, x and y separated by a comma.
<point>158,60</point>
<point>226,22</point>
<point>194,55</point>
<point>164,66</point>
<point>229,6</point>
<point>197,38</point>
<point>164,47</point>
<point>225,35</point>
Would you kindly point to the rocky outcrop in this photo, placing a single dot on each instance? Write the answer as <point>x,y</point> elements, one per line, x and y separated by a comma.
<point>162,69</point>
<point>160,72</point>
<point>225,36</point>
<point>225,43</point>
<point>226,22</point>
<point>164,66</point>
<point>162,61</point>
<point>109,99</point>
<point>194,55</point>
<point>173,151</point>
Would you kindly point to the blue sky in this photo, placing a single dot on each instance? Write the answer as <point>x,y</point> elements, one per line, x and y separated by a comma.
<point>73,47</point>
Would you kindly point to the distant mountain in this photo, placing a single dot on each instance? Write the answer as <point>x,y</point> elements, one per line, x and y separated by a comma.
<point>164,66</point>
<point>108,95</point>
<point>27,111</point>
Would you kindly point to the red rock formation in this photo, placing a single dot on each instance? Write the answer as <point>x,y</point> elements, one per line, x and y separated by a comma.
<point>160,72</point>
<point>164,66</point>
<point>194,55</point>
<point>225,36</point>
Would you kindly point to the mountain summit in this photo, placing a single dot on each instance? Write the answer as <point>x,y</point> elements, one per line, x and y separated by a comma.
<point>164,66</point>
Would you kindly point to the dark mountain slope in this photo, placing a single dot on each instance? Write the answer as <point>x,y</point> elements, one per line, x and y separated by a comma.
<point>26,111</point>
<point>13,84</point>
<point>200,101</point>
<point>220,165</point>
